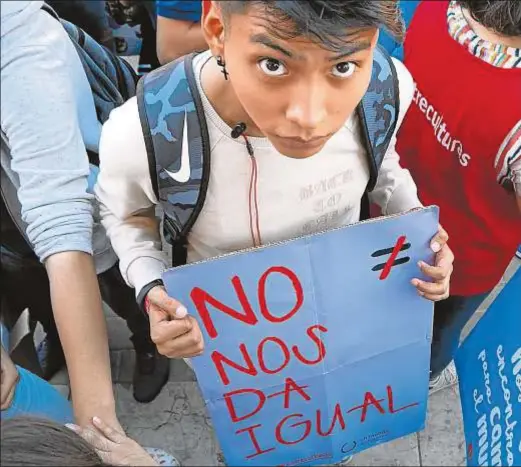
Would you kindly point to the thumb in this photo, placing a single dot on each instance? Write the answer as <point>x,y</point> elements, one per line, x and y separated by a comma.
<point>162,307</point>
<point>439,239</point>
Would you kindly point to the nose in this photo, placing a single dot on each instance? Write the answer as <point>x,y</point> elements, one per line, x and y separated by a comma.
<point>307,106</point>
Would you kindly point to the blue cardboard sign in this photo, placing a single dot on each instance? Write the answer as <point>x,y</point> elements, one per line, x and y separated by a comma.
<point>489,370</point>
<point>318,347</point>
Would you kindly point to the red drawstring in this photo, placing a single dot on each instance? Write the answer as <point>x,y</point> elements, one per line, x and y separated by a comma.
<point>253,198</point>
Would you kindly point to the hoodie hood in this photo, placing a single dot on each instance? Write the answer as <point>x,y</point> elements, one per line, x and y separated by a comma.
<point>14,13</point>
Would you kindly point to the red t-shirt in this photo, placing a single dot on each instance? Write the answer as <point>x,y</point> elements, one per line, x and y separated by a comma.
<point>462,111</point>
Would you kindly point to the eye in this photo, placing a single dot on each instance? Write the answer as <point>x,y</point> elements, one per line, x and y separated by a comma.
<point>272,67</point>
<point>344,69</point>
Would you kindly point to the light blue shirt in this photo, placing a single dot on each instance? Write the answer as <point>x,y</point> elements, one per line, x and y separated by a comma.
<point>48,115</point>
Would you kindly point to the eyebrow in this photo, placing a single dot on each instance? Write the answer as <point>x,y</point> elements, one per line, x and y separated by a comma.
<point>349,49</point>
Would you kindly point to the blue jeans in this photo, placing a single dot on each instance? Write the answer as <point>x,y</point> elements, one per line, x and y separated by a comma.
<point>36,397</point>
<point>450,317</point>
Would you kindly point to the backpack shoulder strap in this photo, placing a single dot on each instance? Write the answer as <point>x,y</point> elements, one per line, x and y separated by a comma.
<point>378,111</point>
<point>178,149</point>
<point>13,228</point>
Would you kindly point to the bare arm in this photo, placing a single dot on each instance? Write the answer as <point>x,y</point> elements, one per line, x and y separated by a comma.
<point>81,324</point>
<point>176,38</point>
<point>40,116</point>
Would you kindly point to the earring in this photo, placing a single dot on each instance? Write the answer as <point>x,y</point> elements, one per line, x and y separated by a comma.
<point>221,63</point>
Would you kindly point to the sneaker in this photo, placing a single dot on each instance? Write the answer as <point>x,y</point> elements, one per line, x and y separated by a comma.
<point>447,378</point>
<point>150,375</point>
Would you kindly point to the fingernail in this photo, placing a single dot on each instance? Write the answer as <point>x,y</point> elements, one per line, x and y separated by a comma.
<point>181,311</point>
<point>420,293</point>
<point>96,420</point>
<point>435,246</point>
<point>421,264</point>
<point>415,282</point>
<point>72,427</point>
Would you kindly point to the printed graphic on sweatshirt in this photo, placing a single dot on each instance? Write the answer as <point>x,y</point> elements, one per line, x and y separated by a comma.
<point>441,130</point>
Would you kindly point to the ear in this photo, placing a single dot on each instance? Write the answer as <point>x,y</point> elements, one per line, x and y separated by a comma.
<point>212,25</point>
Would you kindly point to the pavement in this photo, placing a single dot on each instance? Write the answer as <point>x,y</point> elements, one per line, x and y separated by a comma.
<point>177,420</point>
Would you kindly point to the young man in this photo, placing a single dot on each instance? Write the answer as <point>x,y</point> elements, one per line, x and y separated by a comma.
<point>293,73</point>
<point>178,29</point>
<point>49,119</point>
<point>461,139</point>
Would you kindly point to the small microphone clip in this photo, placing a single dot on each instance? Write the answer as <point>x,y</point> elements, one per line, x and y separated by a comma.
<point>238,130</point>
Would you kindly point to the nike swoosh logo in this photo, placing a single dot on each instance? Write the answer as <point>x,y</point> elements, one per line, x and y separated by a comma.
<point>183,174</point>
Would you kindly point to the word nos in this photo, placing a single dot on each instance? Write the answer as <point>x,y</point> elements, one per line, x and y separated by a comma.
<point>440,128</point>
<point>494,415</point>
<point>254,362</point>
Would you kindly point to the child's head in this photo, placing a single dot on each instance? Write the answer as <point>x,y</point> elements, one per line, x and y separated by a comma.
<point>39,442</point>
<point>299,68</point>
<point>502,17</point>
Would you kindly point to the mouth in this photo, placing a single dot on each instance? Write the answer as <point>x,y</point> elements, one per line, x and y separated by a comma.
<point>302,143</point>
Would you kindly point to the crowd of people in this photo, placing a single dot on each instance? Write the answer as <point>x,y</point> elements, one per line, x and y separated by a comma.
<point>277,88</point>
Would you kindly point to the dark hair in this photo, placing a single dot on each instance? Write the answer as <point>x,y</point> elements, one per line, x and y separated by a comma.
<point>501,16</point>
<point>326,22</point>
<point>39,442</point>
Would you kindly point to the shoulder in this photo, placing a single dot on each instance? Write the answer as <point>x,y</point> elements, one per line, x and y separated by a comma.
<point>122,145</point>
<point>187,10</point>
<point>406,86</point>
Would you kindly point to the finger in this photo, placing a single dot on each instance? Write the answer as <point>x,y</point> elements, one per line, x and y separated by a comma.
<point>92,437</point>
<point>440,239</point>
<point>445,258</point>
<point>158,297</point>
<point>107,431</point>
<point>434,272</point>
<point>188,345</point>
<point>432,288</point>
<point>167,330</point>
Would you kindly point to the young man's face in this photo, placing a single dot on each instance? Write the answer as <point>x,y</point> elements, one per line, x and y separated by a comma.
<point>297,93</point>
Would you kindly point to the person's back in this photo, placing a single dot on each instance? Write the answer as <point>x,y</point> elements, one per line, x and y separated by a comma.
<point>462,136</point>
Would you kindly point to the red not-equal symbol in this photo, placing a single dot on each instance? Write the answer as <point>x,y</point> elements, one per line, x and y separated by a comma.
<point>393,260</point>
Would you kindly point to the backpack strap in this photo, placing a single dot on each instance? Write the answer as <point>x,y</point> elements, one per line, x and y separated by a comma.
<point>178,147</point>
<point>13,228</point>
<point>378,114</point>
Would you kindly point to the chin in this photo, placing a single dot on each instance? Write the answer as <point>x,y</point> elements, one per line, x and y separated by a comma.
<point>302,152</point>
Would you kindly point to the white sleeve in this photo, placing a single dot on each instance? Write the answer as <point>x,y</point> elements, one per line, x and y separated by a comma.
<point>127,199</point>
<point>395,190</point>
<point>508,159</point>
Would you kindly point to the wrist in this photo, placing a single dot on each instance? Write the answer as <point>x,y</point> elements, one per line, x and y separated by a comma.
<point>142,298</point>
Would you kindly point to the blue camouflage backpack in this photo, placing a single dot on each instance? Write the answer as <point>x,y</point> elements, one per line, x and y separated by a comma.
<point>178,147</point>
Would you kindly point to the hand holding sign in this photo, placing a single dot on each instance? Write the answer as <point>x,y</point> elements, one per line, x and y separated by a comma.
<point>440,272</point>
<point>175,334</point>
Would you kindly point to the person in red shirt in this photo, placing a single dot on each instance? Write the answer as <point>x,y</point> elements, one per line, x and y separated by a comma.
<point>461,140</point>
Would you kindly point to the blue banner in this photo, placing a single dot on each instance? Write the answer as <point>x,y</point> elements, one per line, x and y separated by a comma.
<point>489,370</point>
<point>318,347</point>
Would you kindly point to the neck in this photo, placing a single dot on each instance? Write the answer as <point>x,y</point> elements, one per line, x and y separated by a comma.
<point>221,95</point>
<point>489,35</point>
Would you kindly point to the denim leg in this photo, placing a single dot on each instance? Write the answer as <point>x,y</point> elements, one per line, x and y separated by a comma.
<point>450,317</point>
<point>120,297</point>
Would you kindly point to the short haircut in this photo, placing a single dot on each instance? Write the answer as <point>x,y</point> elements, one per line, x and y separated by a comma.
<point>38,442</point>
<point>501,16</point>
<point>326,22</point>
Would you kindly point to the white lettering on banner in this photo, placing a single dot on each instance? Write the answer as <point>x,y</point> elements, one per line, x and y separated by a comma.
<point>441,132</point>
<point>516,362</point>
<point>501,432</point>
<point>486,375</point>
